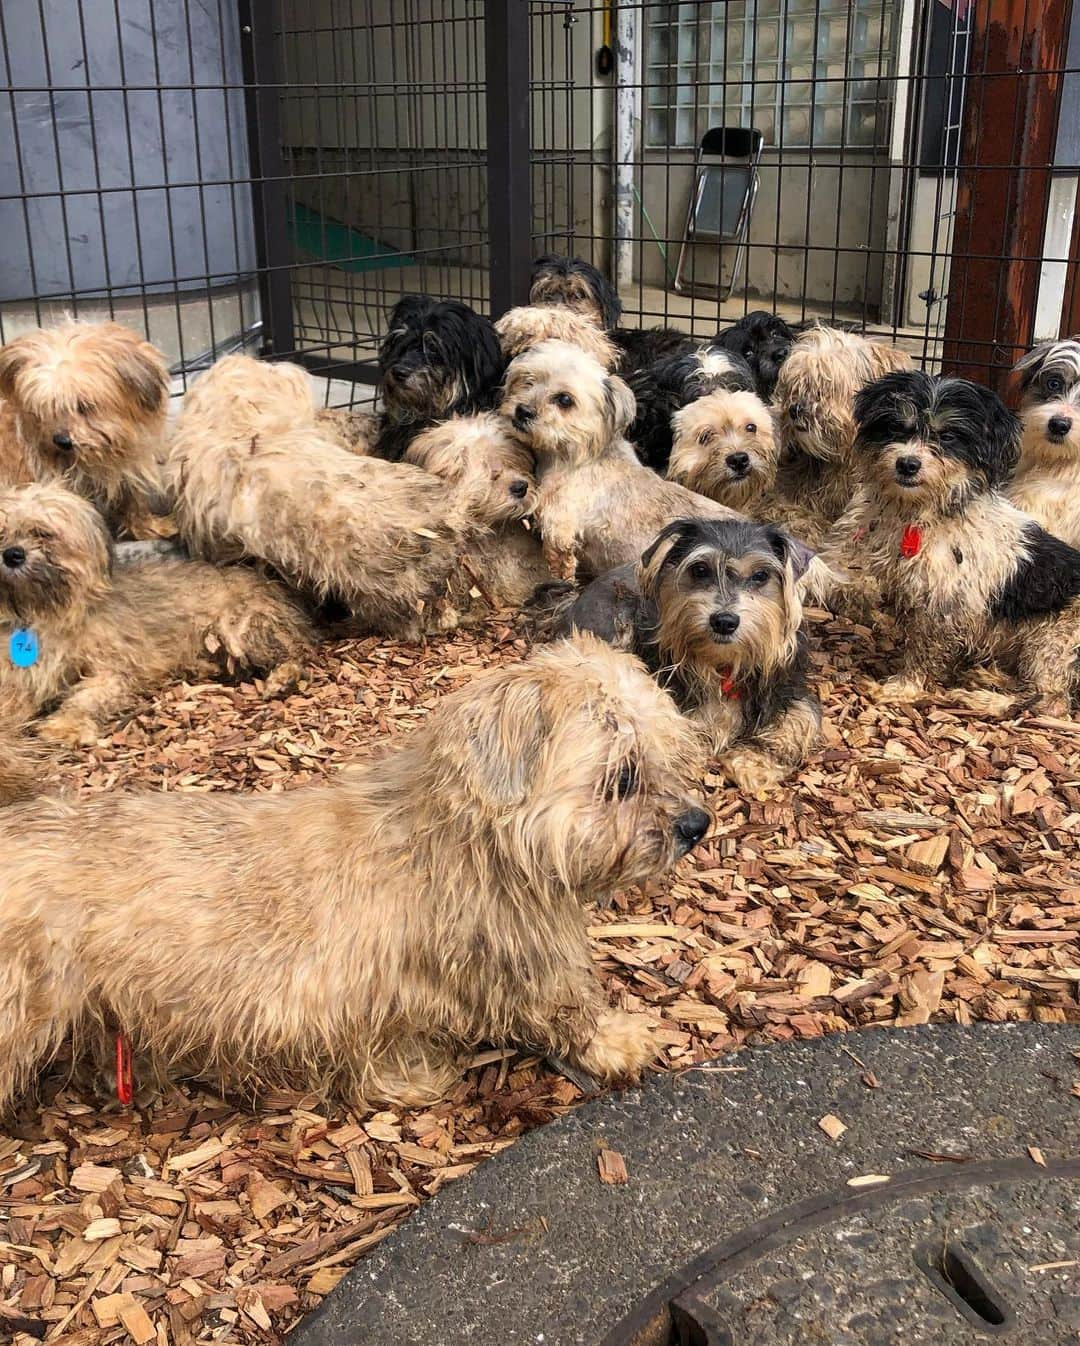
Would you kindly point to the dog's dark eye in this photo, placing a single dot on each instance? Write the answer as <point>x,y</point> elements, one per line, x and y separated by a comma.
<point>947,436</point>
<point>625,782</point>
<point>1054,383</point>
<point>759,577</point>
<point>84,408</point>
<point>700,571</point>
<point>751,428</point>
<point>705,437</point>
<point>563,400</point>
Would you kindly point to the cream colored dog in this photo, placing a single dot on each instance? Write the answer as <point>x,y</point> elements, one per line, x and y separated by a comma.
<point>361,937</point>
<point>84,404</point>
<point>251,477</point>
<point>598,506</point>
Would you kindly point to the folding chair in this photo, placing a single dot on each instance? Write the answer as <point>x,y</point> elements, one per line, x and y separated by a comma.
<point>722,197</point>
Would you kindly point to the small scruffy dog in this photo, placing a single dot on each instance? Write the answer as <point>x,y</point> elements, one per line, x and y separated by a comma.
<point>662,389</point>
<point>73,632</point>
<point>573,283</point>
<point>507,563</point>
<point>815,396</point>
<point>725,447</point>
<point>1046,483</point>
<point>439,358</point>
<point>713,609</point>
<point>84,404</point>
<point>361,937</point>
<point>524,327</point>
<point>764,341</point>
<point>968,575</point>
<point>598,506</point>
<point>249,482</point>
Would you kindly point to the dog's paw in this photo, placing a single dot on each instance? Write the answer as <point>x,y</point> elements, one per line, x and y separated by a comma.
<point>69,731</point>
<point>622,1046</point>
<point>282,680</point>
<point>898,691</point>
<point>984,701</point>
<point>1054,705</point>
<point>752,771</point>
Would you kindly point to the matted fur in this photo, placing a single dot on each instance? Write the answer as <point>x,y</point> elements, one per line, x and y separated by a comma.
<point>360,937</point>
<point>598,506</point>
<point>84,404</point>
<point>357,431</point>
<point>106,639</point>
<point>1046,483</point>
<point>986,582</point>
<point>713,609</point>
<point>382,538</point>
<point>815,397</point>
<point>506,563</point>
<point>725,446</point>
<point>521,328</point>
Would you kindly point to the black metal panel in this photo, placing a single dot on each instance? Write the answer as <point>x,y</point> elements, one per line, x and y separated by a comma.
<point>506,33</point>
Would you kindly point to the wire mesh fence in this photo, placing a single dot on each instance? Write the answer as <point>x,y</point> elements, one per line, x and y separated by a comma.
<point>274,175</point>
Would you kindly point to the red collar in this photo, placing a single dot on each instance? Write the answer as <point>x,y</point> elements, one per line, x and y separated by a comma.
<point>911,541</point>
<point>727,684</point>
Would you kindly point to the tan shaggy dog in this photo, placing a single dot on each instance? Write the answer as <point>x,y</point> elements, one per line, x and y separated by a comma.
<point>525,327</point>
<point>103,640</point>
<point>815,398</point>
<point>1046,483</point>
<point>84,403</point>
<point>361,937</point>
<point>725,446</point>
<point>507,563</point>
<point>599,506</point>
<point>250,480</point>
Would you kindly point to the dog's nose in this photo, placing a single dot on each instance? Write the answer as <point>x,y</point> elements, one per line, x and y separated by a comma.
<point>400,372</point>
<point>1059,426</point>
<point>519,489</point>
<point>738,462</point>
<point>13,557</point>
<point>524,415</point>
<point>724,623</point>
<point>908,467</point>
<point>690,828</point>
<point>62,441</point>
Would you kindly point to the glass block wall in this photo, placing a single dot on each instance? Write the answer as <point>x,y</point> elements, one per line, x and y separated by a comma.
<point>805,74</point>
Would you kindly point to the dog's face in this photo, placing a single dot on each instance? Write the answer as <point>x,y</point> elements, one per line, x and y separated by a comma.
<point>1050,402</point>
<point>725,592</point>
<point>724,447</point>
<point>55,552</point>
<point>573,770</point>
<point>816,388</point>
<point>89,396</point>
<point>439,358</point>
<point>477,453</point>
<point>563,404</point>
<point>764,341</point>
<point>524,327</point>
<point>577,285</point>
<point>932,444</point>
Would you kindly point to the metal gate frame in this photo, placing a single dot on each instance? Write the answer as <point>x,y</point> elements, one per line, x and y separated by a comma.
<point>507,96</point>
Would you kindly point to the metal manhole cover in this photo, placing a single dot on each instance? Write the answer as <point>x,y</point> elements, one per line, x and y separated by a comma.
<point>931,1258</point>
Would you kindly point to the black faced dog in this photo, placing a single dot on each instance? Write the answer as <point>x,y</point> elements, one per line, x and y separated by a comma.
<point>969,576</point>
<point>439,359</point>
<point>763,340</point>
<point>712,608</point>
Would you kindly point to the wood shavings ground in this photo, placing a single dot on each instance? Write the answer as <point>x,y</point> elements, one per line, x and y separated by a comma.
<point>923,866</point>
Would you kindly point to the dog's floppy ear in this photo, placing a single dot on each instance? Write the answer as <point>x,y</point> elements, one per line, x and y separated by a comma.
<point>496,737</point>
<point>409,311</point>
<point>791,550</point>
<point>1028,368</point>
<point>620,405</point>
<point>486,363</point>
<point>673,541</point>
<point>882,358</point>
<point>14,357</point>
<point>141,370</point>
<point>1003,434</point>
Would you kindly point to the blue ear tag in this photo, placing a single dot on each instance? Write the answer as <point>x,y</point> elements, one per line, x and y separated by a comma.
<point>23,648</point>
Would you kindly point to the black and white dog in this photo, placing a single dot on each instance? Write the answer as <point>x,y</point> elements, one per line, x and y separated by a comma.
<point>439,359</point>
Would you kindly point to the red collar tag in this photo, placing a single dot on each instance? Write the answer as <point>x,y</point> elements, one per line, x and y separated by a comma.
<point>727,686</point>
<point>911,542</point>
<point>125,1086</point>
